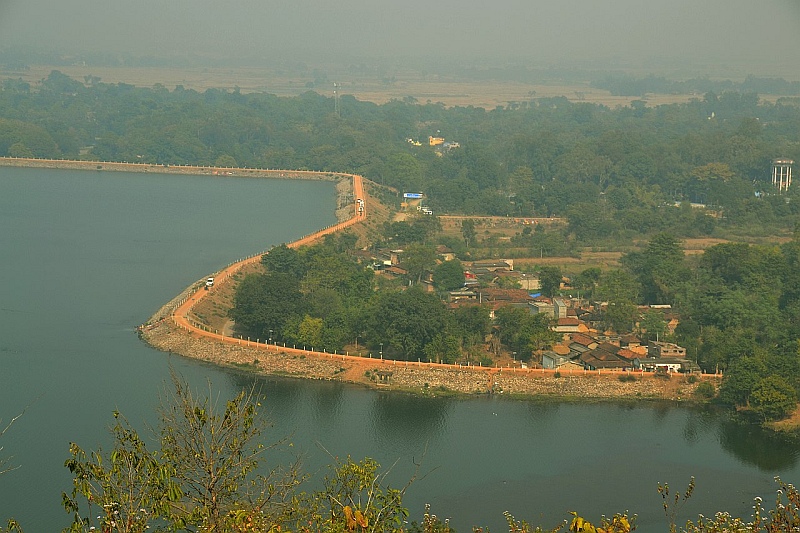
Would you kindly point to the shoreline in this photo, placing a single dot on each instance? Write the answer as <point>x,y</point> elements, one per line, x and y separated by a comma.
<point>164,331</point>
<point>171,330</point>
<point>343,180</point>
<point>428,379</point>
<point>194,170</point>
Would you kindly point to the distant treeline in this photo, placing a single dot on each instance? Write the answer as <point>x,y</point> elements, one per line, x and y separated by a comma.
<point>614,173</point>
<point>623,85</point>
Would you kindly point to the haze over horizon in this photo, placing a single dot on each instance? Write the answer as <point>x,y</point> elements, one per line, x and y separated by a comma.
<point>760,37</point>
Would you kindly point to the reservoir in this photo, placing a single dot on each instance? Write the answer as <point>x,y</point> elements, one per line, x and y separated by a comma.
<point>87,256</point>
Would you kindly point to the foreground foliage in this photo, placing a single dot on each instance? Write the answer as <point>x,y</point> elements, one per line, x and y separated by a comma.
<point>211,473</point>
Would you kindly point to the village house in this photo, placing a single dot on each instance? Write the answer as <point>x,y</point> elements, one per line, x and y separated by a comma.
<point>605,356</point>
<point>570,325</point>
<point>559,308</point>
<point>461,294</point>
<point>666,364</point>
<point>665,349</point>
<point>581,343</point>
<point>542,305</point>
<point>445,253</point>
<point>555,361</point>
<point>630,341</point>
<point>529,282</point>
<point>491,266</point>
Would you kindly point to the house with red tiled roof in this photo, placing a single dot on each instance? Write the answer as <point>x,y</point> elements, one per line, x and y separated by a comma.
<point>630,355</point>
<point>396,271</point>
<point>561,349</point>
<point>629,341</point>
<point>603,358</point>
<point>570,325</point>
<point>495,298</point>
<point>579,344</point>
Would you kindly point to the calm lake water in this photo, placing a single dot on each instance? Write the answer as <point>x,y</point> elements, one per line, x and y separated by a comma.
<point>87,256</point>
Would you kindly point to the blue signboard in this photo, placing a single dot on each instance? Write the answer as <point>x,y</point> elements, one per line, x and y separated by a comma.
<point>412,195</point>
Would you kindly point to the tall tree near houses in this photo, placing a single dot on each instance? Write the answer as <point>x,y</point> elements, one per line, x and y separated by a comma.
<point>406,321</point>
<point>449,275</point>
<point>550,278</point>
<point>468,231</point>
<point>418,259</point>
<point>659,268</point>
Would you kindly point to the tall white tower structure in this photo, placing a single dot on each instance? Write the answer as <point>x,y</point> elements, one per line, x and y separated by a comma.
<point>782,174</point>
<point>336,109</point>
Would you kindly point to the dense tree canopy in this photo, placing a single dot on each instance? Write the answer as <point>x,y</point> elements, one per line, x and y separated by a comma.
<point>613,172</point>
<point>449,275</point>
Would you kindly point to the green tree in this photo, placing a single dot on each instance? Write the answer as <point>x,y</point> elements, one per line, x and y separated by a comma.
<point>418,259</point>
<point>357,498</point>
<point>659,268</point>
<point>403,171</point>
<point>773,398</point>
<point>473,324</point>
<point>742,378</point>
<point>265,302</point>
<point>468,232</point>
<point>619,316</point>
<point>550,278</point>
<point>449,275</point>
<point>443,349</point>
<point>652,325</point>
<point>524,332</point>
<point>325,301</point>
<point>328,269</point>
<point>125,490</point>
<point>215,451</point>
<point>587,280</point>
<point>713,171</point>
<point>406,321</point>
<point>20,150</point>
<point>429,226</point>
<point>226,161</point>
<point>309,332</point>
<point>285,260</point>
<point>209,473</point>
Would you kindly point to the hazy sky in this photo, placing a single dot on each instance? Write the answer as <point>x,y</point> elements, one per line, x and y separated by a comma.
<point>735,31</point>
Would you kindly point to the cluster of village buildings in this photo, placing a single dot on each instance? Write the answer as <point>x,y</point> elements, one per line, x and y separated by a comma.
<point>583,344</point>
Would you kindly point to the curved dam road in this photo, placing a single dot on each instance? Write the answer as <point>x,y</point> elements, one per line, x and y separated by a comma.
<point>180,316</point>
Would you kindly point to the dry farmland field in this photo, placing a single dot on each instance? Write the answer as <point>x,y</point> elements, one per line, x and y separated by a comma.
<point>424,88</point>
